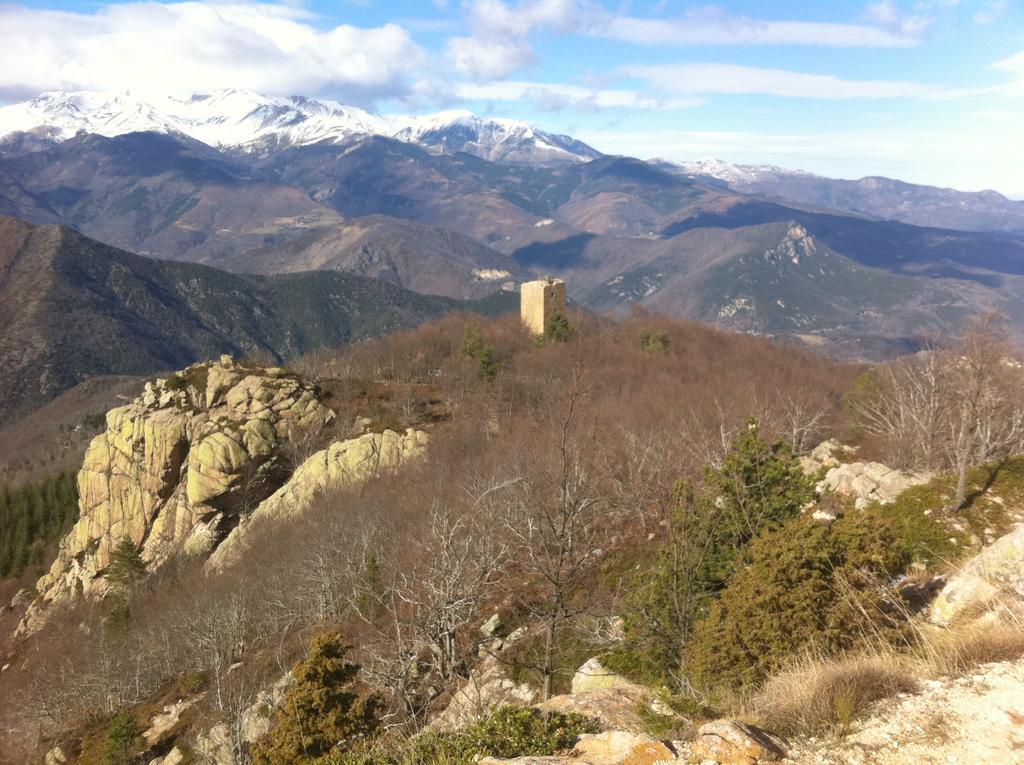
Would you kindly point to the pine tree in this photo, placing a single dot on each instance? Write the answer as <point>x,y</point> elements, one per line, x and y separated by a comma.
<point>126,567</point>
<point>322,712</point>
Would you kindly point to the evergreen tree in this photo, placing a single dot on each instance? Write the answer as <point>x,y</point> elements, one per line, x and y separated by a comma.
<point>32,520</point>
<point>758,487</point>
<point>126,567</point>
<point>322,712</point>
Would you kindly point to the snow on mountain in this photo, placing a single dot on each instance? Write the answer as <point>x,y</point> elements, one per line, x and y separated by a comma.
<point>730,173</point>
<point>238,119</point>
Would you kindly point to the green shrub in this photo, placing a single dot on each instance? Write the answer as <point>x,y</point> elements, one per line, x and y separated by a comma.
<point>804,586</point>
<point>126,567</point>
<point>475,346</point>
<point>654,341</point>
<point>175,382</point>
<point>506,732</point>
<point>557,327</point>
<point>758,487</point>
<point>121,744</point>
<point>322,711</point>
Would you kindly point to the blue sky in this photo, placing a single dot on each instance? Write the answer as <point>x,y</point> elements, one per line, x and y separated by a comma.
<point>930,91</point>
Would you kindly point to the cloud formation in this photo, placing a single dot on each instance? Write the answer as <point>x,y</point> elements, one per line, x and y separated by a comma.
<point>555,97</point>
<point>187,47</point>
<point>712,26</point>
<point>499,43</point>
<point>733,79</point>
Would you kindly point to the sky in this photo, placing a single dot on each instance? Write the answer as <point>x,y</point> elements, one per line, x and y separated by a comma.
<point>928,91</point>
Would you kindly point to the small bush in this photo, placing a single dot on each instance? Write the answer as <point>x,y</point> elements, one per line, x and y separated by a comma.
<point>557,327</point>
<point>175,382</point>
<point>475,346</point>
<point>804,586</point>
<point>816,695</point>
<point>121,745</point>
<point>506,732</point>
<point>650,340</point>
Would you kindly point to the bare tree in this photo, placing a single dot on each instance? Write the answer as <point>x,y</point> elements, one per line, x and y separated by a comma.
<point>984,417</point>
<point>555,525</point>
<point>955,408</point>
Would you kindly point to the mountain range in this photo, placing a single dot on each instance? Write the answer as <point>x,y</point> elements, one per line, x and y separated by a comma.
<point>873,196</point>
<point>246,121</point>
<point>72,308</point>
<point>457,207</point>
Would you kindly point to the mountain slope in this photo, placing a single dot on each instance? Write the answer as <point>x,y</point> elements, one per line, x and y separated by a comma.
<point>419,257</point>
<point>773,278</point>
<point>874,196</point>
<point>246,121</point>
<point>71,308</point>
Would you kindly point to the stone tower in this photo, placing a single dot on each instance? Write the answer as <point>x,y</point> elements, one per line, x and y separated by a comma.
<point>539,300</point>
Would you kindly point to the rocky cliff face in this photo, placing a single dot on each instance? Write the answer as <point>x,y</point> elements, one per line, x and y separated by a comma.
<point>177,468</point>
<point>342,464</point>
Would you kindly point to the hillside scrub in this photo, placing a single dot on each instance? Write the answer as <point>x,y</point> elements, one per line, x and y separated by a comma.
<point>757,488</point>
<point>803,586</point>
<point>502,450</point>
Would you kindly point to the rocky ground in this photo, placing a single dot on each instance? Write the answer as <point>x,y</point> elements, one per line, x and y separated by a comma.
<point>978,718</point>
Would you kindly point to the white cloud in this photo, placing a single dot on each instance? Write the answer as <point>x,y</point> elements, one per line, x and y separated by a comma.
<point>553,97</point>
<point>187,47</point>
<point>990,11</point>
<point>748,80</point>
<point>711,26</point>
<point>887,15</point>
<point>500,43</point>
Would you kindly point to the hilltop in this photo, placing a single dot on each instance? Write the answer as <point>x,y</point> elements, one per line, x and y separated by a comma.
<point>426,497</point>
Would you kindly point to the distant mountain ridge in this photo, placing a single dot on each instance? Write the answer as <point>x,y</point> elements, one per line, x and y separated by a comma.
<point>72,308</point>
<point>246,121</point>
<point>872,196</point>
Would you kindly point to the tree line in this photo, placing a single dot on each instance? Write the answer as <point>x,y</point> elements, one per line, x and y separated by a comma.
<point>32,519</point>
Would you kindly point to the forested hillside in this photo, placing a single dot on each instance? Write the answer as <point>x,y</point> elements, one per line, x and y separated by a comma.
<point>460,536</point>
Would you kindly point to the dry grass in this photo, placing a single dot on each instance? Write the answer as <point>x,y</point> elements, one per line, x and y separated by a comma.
<point>817,694</point>
<point>956,652</point>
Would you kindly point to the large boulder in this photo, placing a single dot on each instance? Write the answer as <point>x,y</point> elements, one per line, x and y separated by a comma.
<point>488,686</point>
<point>992,579</point>
<point>613,701</point>
<point>176,467</point>
<point>618,747</point>
<point>868,482</point>
<point>593,675</point>
<point>341,465</point>
<point>731,742</point>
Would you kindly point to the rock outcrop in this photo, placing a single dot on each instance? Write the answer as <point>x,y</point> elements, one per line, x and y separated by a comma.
<point>992,580</point>
<point>731,742</point>
<point>869,482</point>
<point>341,465</point>
<point>487,687</point>
<point>177,467</point>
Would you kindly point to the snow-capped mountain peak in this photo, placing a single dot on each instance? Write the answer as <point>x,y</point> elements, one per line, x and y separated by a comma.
<point>243,120</point>
<point>730,173</point>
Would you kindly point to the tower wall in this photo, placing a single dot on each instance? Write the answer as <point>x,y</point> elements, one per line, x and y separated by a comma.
<point>539,300</point>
